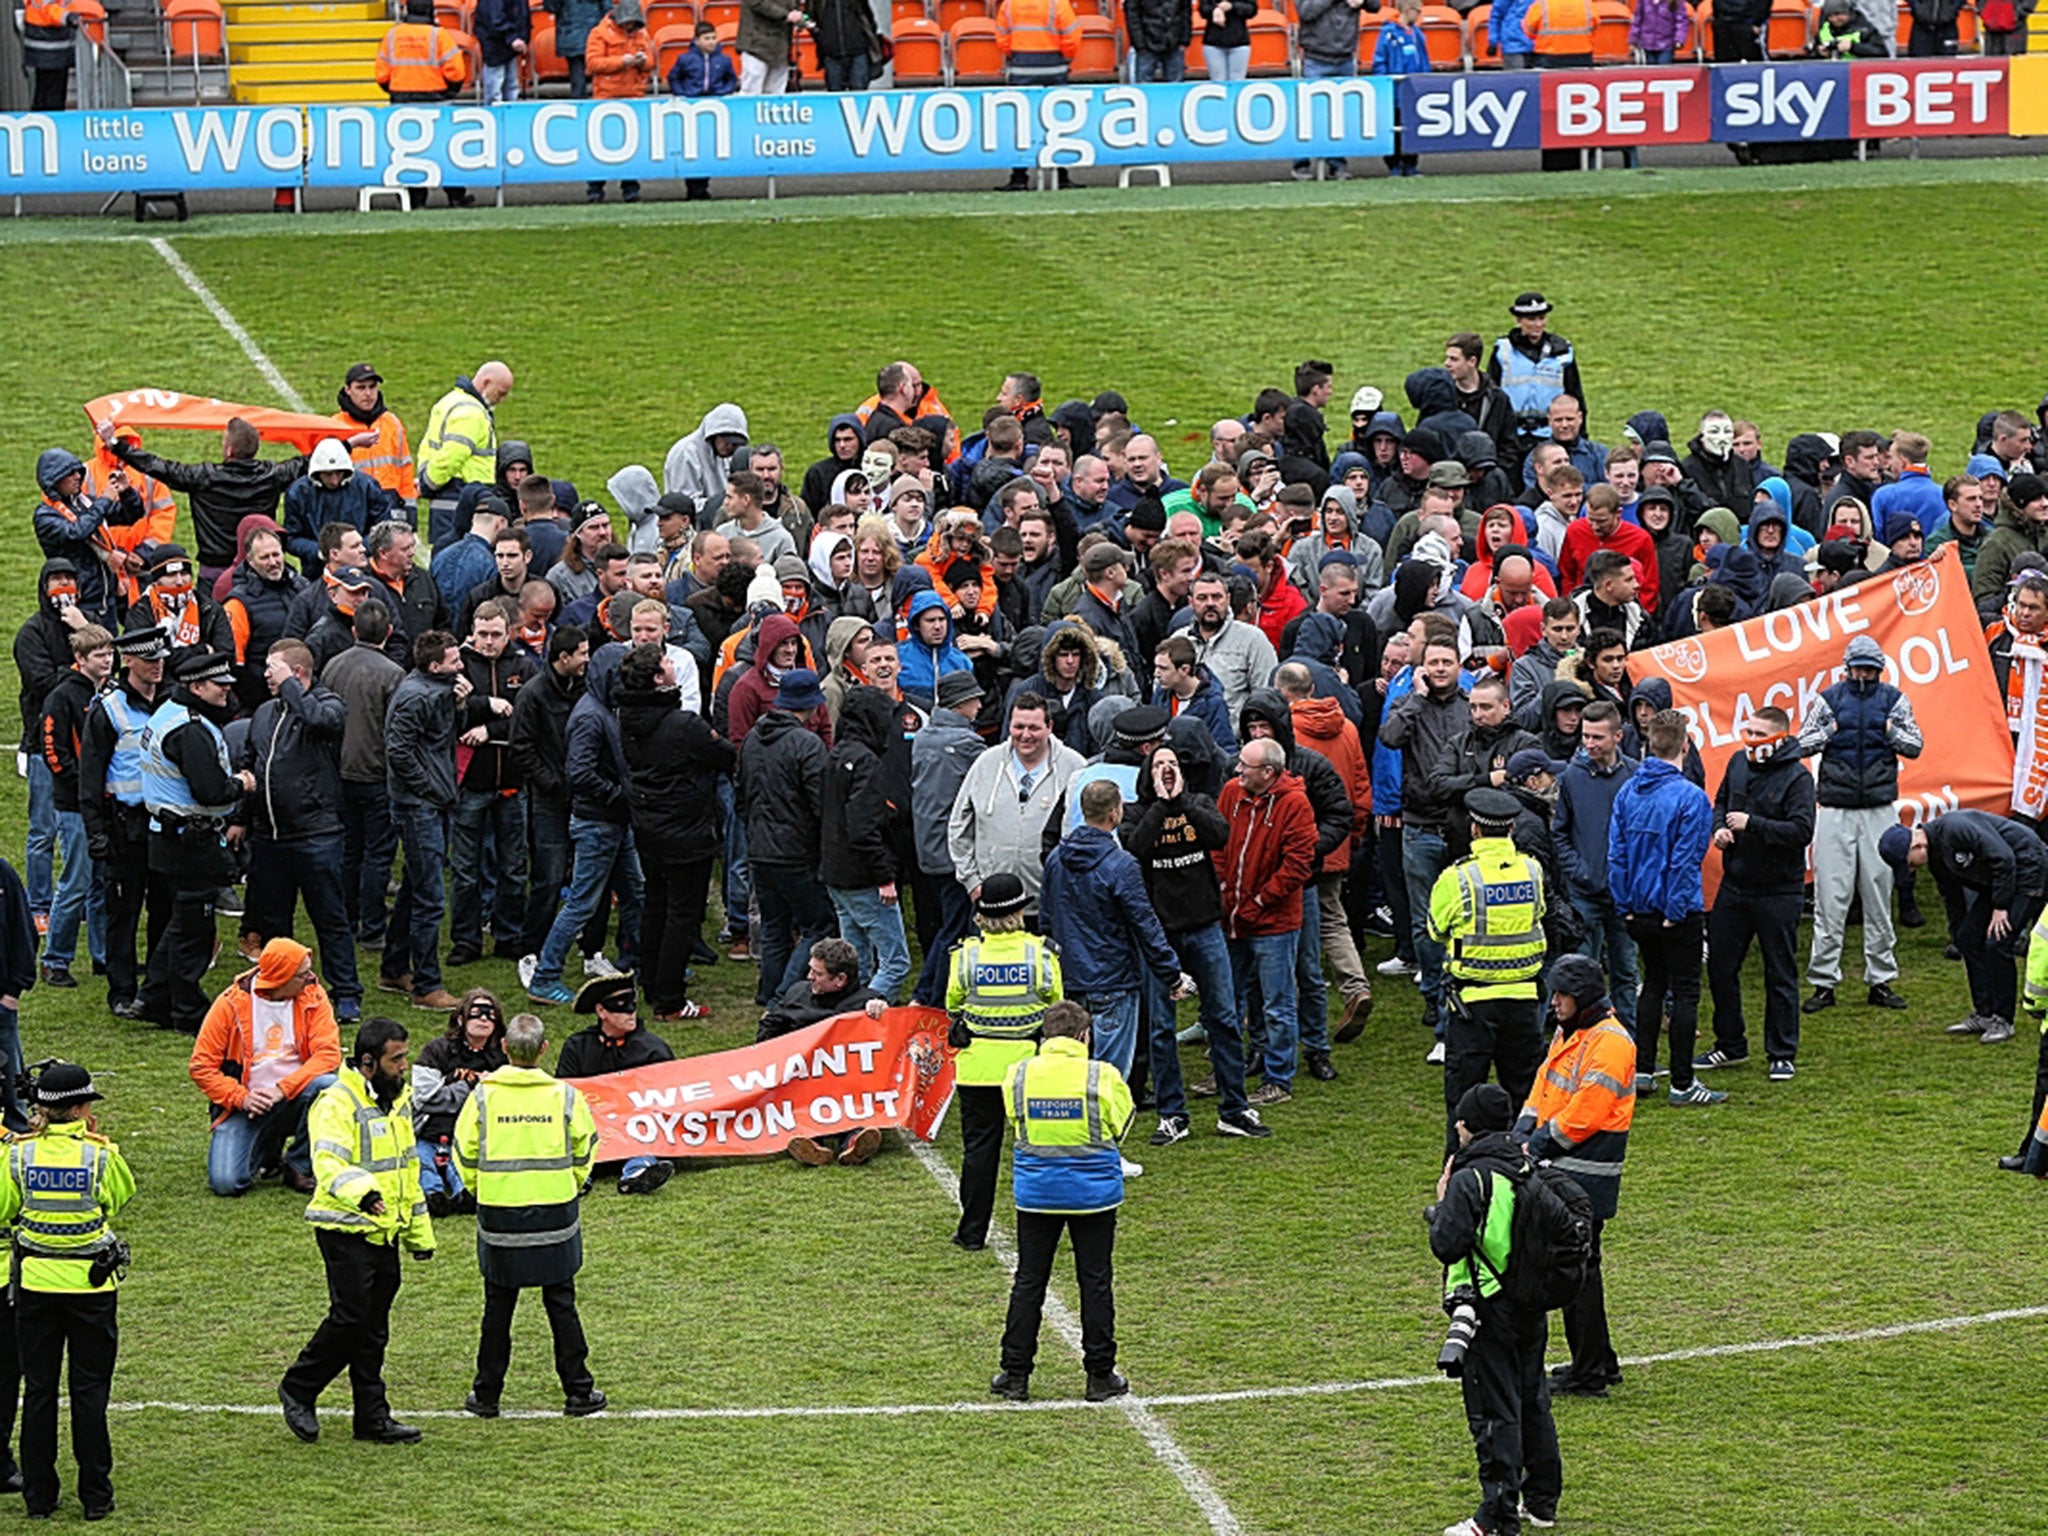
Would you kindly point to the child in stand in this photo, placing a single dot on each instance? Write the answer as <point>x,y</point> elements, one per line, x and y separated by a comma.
<point>705,69</point>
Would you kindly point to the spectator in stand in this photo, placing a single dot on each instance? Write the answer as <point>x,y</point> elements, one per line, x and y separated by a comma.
<point>59,735</point>
<point>364,678</point>
<point>489,822</point>
<point>1401,50</point>
<point>419,764</point>
<point>1661,30</point>
<point>501,29</point>
<point>1226,40</point>
<point>703,69</point>
<point>1159,31</point>
<point>1269,858</point>
<point>269,1047</point>
<point>1586,792</point>
<point>619,57</point>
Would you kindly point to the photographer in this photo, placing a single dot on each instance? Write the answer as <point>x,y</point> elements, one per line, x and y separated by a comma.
<point>1496,1344</point>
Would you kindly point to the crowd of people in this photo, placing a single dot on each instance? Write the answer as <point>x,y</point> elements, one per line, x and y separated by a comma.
<point>1089,732</point>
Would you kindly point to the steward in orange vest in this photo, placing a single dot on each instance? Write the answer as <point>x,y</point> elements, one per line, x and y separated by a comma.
<point>418,61</point>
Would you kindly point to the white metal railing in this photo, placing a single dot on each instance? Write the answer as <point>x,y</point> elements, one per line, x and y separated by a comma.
<point>103,81</point>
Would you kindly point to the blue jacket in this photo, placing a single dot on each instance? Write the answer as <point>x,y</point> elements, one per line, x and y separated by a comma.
<point>1585,807</point>
<point>698,73</point>
<point>1504,28</point>
<point>361,503</point>
<point>1400,51</point>
<point>924,665</point>
<point>1914,494</point>
<point>461,568</point>
<point>1657,838</point>
<point>595,759</point>
<point>1386,760</point>
<point>1099,918</point>
<point>1208,706</point>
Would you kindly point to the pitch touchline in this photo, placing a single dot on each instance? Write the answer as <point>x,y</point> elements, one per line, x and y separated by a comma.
<point>230,324</point>
<point>1161,1400</point>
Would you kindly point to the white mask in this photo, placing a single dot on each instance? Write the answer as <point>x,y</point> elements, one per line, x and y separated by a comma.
<point>1718,437</point>
<point>877,466</point>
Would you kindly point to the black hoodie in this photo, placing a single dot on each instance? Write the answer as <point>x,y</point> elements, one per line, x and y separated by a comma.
<point>1326,794</point>
<point>1804,457</point>
<point>857,851</point>
<point>61,733</point>
<point>42,650</point>
<point>673,764</point>
<point>1768,856</point>
<point>1172,841</point>
<point>1555,742</point>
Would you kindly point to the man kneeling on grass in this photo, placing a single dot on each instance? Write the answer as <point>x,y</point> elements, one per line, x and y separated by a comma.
<point>830,987</point>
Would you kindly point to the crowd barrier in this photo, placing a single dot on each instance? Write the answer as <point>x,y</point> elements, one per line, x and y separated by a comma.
<point>1074,127</point>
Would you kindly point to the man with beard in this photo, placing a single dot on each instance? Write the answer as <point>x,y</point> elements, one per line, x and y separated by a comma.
<point>1238,654</point>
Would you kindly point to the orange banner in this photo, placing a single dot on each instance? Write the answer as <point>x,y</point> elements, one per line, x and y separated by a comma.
<point>163,408</point>
<point>1923,618</point>
<point>847,1072</point>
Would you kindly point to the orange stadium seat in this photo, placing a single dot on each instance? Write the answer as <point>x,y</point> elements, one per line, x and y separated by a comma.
<point>909,10</point>
<point>1789,30</point>
<point>1106,9</point>
<point>803,57</point>
<point>455,15</point>
<point>1095,61</point>
<point>1478,46</point>
<point>670,44</point>
<point>1443,35</point>
<point>1703,30</point>
<point>951,11</point>
<point>1369,37</point>
<point>920,52</point>
<point>977,57</point>
<point>663,14</point>
<point>729,42</point>
<point>545,63</point>
<point>721,13</point>
<point>195,30</point>
<point>1272,38</point>
<point>1197,64</point>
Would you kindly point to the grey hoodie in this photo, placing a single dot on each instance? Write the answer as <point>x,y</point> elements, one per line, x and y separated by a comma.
<point>693,467</point>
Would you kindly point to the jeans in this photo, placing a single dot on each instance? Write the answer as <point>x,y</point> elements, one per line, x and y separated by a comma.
<point>1327,69</point>
<point>241,1145</point>
<point>671,925</point>
<point>415,939</point>
<point>1168,68</point>
<point>850,73</point>
<point>438,1173</point>
<point>1264,968</point>
<point>11,1065</point>
<point>502,820</point>
<point>1228,63</point>
<point>1394,883</point>
<point>547,828</point>
<point>796,913</point>
<point>1517,60</point>
<point>739,883</point>
<point>579,77</point>
<point>1113,1018</point>
<point>369,843</point>
<point>40,874</point>
<point>1671,969</point>
<point>603,849</point>
<point>1424,856</point>
<point>1656,55</point>
<point>281,873</point>
<point>1607,941</point>
<point>955,913</point>
<point>1312,994</point>
<point>78,897</point>
<point>498,82</point>
<point>874,928</point>
<point>1205,956</point>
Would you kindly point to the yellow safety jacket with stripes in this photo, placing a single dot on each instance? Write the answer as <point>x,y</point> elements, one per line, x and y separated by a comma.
<point>1487,912</point>
<point>460,443</point>
<point>1067,1114</point>
<point>1000,988</point>
<point>524,1139</point>
<point>361,1148</point>
<point>62,1186</point>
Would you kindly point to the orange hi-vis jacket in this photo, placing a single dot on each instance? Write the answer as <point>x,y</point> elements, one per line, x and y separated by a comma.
<point>388,461</point>
<point>1039,38</point>
<point>157,525</point>
<point>1583,1103</point>
<point>417,58</point>
<point>1560,26</point>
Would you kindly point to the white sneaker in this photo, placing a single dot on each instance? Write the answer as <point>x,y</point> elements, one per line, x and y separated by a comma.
<point>528,964</point>
<point>1192,1033</point>
<point>1394,965</point>
<point>596,965</point>
<point>1466,1527</point>
<point>1187,986</point>
<point>1436,1054</point>
<point>1133,1170</point>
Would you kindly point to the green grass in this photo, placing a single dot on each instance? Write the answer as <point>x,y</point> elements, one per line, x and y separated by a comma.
<point>1859,1196</point>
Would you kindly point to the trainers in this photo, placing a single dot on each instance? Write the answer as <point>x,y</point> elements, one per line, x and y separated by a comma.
<point>1394,965</point>
<point>1186,987</point>
<point>1909,915</point>
<point>251,948</point>
<point>1435,1058</point>
<point>1996,1032</point>
<point>1191,1034</point>
<point>582,1405</point>
<point>1950,952</point>
<point>1171,1128</point>
<point>1882,996</point>
<point>58,976</point>
<point>228,904</point>
<point>1707,1061</point>
<point>1243,1122</point>
<point>1782,1071</point>
<point>1697,1093</point>
<point>860,1146</point>
<point>740,949</point>
<point>553,992</point>
<point>1302,173</point>
<point>1973,1025</point>
<point>1352,1023</point>
<point>1270,1093</point>
<point>808,1152</point>
<point>1467,1527</point>
<point>1131,1170</point>
<point>689,1010</point>
<point>597,965</point>
<point>1646,1084</point>
<point>1823,997</point>
<point>1378,923</point>
<point>1541,1522</point>
<point>528,964</point>
<point>648,1179</point>
<point>1205,1089</point>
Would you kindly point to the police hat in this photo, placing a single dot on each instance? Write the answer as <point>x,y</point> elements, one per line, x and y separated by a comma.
<point>618,994</point>
<point>1530,303</point>
<point>1001,894</point>
<point>202,666</point>
<point>143,644</point>
<point>1495,809</point>
<point>1135,727</point>
<point>65,1082</point>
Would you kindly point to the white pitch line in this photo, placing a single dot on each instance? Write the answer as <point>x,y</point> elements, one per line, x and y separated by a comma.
<point>1193,1480</point>
<point>230,324</point>
<point>1162,1400</point>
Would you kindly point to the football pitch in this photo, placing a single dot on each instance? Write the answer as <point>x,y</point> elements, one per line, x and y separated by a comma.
<point>1828,1302</point>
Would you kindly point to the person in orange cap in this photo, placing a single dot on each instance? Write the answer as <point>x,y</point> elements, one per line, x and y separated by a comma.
<point>268,1047</point>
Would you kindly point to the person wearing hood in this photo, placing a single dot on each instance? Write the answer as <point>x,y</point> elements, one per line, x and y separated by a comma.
<point>1491,484</point>
<point>928,650</point>
<point>1502,532</point>
<point>1767,539</point>
<point>1657,516</point>
<point>1711,464</point>
<point>1319,643</point>
<point>1807,461</point>
<point>778,646</point>
<point>1380,446</point>
<point>1764,820</point>
<point>68,526</point>
<point>1264,870</point>
<point>173,602</point>
<point>1319,728</point>
<point>1420,586</point>
<point>219,495</point>
<point>1582,1107</point>
<point>1337,528</point>
<point>1585,809</point>
<point>2021,524</point>
<point>1069,679</point>
<point>700,464</point>
<point>1861,727</point>
<point>858,861</point>
<point>334,490</point>
<point>821,482</point>
<point>513,468</point>
<point>1649,697</point>
<point>1561,719</point>
<point>387,457</point>
<point>1433,394</point>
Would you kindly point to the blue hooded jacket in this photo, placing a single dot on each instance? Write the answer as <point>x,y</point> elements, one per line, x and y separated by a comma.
<point>1208,705</point>
<point>1657,838</point>
<point>1099,917</point>
<point>924,665</point>
<point>1316,645</point>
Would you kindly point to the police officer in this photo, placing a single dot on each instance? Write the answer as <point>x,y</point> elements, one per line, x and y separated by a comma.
<point>1507,1400</point>
<point>116,821</point>
<point>366,1205</point>
<point>524,1144</point>
<point>1002,979</point>
<point>189,793</point>
<point>62,1186</point>
<point>1487,912</point>
<point>1069,1114</point>
<point>1533,367</point>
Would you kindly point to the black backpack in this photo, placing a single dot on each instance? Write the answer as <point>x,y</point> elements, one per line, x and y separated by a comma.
<point>1550,1241</point>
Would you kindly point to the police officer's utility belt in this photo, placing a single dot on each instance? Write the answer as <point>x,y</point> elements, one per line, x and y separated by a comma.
<point>176,825</point>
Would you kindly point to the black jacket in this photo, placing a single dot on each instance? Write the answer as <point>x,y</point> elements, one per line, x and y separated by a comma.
<point>42,649</point>
<point>800,1008</point>
<point>61,733</point>
<point>1419,727</point>
<point>590,1053</point>
<point>1456,1221</point>
<point>216,634</point>
<point>18,940</point>
<point>1768,857</point>
<point>856,850</point>
<point>416,603</point>
<point>780,788</point>
<point>1159,26</point>
<point>1974,850</point>
<point>540,737</point>
<point>489,768</point>
<point>221,494</point>
<point>1172,843</point>
<point>419,741</point>
<point>1465,764</point>
<point>673,762</point>
<point>293,746</point>
<point>1728,482</point>
<point>596,763</point>
<point>1327,796</point>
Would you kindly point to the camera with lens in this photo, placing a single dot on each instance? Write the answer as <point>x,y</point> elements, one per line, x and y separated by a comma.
<point>1463,1306</point>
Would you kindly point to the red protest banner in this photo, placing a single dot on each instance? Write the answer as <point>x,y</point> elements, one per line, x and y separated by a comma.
<point>847,1072</point>
<point>1923,618</point>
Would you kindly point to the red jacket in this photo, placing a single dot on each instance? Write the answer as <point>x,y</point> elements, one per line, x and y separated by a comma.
<point>1269,858</point>
<point>1279,608</point>
<point>1580,542</point>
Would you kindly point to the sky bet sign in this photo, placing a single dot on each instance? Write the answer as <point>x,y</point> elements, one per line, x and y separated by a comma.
<point>1585,109</point>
